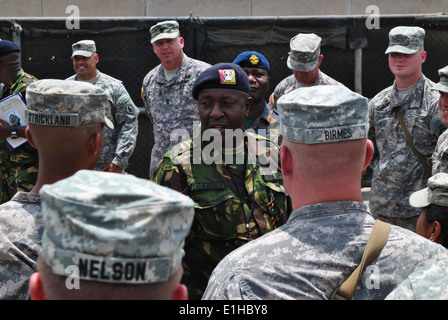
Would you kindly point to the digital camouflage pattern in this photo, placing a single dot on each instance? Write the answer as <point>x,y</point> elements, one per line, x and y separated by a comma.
<point>304,52</point>
<point>18,167</point>
<point>119,143</point>
<point>170,105</point>
<point>21,228</point>
<point>323,114</point>
<point>436,192</point>
<point>397,172</point>
<point>21,222</point>
<point>233,203</point>
<point>290,83</point>
<point>440,156</point>
<point>83,48</point>
<point>407,40</point>
<point>164,30</point>
<point>427,283</point>
<point>115,228</point>
<point>315,252</point>
<point>63,103</point>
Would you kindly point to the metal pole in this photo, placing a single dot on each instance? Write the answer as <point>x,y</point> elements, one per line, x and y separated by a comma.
<point>17,38</point>
<point>358,70</point>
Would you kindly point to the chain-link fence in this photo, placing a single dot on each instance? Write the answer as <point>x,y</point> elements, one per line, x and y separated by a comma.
<point>125,50</point>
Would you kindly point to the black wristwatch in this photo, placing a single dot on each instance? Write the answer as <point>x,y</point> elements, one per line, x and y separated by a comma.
<point>14,134</point>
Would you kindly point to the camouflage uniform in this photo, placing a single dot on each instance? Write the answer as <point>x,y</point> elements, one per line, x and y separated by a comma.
<point>119,144</point>
<point>321,244</point>
<point>440,156</point>
<point>397,172</point>
<point>267,124</point>
<point>290,83</point>
<point>170,106</point>
<point>427,283</point>
<point>133,234</point>
<point>327,240</point>
<point>232,203</point>
<point>19,166</point>
<point>21,229</point>
<point>304,57</point>
<point>21,218</point>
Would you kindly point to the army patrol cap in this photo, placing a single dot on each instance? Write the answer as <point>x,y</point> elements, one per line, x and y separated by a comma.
<point>115,228</point>
<point>164,30</point>
<point>66,103</point>
<point>83,48</point>
<point>222,76</point>
<point>442,85</point>
<point>435,193</point>
<point>323,114</point>
<point>304,52</point>
<point>407,40</point>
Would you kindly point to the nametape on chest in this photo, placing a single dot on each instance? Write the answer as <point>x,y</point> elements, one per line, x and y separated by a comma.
<point>273,177</point>
<point>207,186</point>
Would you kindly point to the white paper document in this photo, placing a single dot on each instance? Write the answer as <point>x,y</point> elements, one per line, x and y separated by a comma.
<point>12,110</point>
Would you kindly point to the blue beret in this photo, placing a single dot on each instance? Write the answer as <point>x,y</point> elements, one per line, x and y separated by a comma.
<point>222,76</point>
<point>7,46</point>
<point>252,59</point>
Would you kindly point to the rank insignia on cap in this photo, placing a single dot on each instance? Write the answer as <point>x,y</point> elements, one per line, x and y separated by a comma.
<point>254,59</point>
<point>227,76</point>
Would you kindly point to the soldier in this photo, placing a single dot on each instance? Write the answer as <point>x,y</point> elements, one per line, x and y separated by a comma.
<point>257,68</point>
<point>304,60</point>
<point>430,282</point>
<point>120,243</point>
<point>119,144</point>
<point>427,283</point>
<point>235,181</point>
<point>397,168</point>
<point>433,201</point>
<point>19,166</point>
<point>65,125</point>
<point>323,153</point>
<point>440,156</point>
<point>166,90</point>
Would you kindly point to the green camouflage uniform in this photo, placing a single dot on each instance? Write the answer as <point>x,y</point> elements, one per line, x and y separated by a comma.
<point>19,166</point>
<point>232,203</point>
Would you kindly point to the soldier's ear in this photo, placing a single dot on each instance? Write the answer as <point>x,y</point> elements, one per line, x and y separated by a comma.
<point>180,293</point>
<point>36,287</point>
<point>29,137</point>
<point>369,153</point>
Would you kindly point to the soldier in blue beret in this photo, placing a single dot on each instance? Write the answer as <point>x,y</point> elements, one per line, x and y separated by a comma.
<point>18,167</point>
<point>261,116</point>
